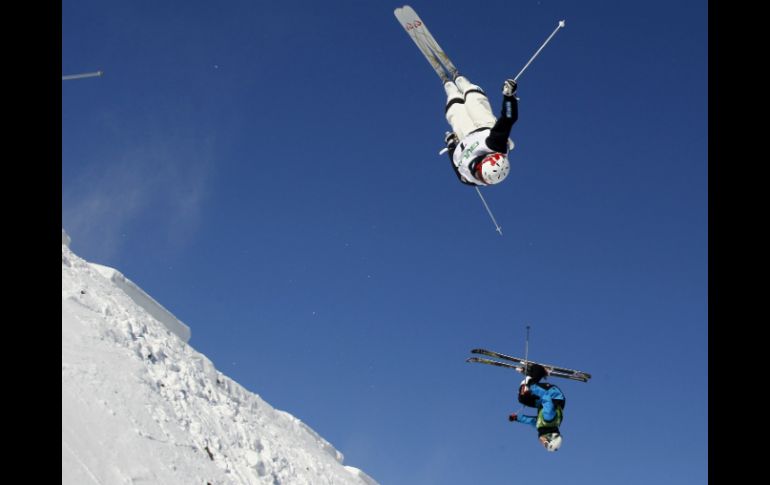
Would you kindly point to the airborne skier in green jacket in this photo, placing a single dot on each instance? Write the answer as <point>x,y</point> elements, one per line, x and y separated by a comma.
<point>549,401</point>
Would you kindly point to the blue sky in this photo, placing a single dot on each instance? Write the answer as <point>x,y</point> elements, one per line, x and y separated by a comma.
<point>269,173</point>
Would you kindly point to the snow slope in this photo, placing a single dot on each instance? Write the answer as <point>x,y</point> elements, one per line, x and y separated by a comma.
<point>139,405</point>
<point>145,301</point>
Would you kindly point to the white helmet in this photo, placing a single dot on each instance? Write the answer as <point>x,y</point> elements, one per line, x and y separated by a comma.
<point>493,168</point>
<point>551,441</point>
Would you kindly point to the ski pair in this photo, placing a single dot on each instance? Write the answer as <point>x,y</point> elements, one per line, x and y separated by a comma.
<point>553,371</point>
<point>427,44</point>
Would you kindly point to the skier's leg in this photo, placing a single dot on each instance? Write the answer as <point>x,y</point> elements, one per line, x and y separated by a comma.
<point>476,104</point>
<point>456,114</point>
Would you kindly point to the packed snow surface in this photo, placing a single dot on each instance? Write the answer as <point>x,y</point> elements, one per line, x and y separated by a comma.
<point>139,405</point>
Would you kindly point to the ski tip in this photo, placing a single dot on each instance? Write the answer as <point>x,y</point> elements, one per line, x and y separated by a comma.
<point>562,23</point>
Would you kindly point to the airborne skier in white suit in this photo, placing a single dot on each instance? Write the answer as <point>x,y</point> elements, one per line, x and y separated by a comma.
<point>481,138</point>
<point>478,143</point>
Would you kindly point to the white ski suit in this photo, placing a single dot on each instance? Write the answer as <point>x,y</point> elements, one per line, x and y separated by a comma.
<point>470,115</point>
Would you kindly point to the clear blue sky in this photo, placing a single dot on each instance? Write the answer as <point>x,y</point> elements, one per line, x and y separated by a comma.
<point>268,171</point>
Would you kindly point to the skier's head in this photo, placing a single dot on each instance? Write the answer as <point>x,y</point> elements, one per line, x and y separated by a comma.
<point>492,169</point>
<point>551,441</point>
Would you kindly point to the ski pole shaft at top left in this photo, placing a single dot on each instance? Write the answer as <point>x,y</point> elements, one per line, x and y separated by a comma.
<point>81,76</point>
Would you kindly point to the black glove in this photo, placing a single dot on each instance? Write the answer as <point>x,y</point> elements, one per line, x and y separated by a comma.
<point>451,140</point>
<point>509,87</point>
<point>512,417</point>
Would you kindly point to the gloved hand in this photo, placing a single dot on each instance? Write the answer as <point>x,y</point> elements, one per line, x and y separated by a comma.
<point>509,87</point>
<point>451,140</point>
<point>524,390</point>
<point>512,417</point>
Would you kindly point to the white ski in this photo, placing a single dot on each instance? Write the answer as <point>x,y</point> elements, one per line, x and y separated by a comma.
<point>425,41</point>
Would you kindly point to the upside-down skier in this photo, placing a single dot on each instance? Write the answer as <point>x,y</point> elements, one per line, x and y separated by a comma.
<point>549,401</point>
<point>478,144</point>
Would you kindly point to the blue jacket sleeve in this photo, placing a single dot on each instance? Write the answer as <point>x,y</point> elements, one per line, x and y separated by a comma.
<point>531,420</point>
<point>546,398</point>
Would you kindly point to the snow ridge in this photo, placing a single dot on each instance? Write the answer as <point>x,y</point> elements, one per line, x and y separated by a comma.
<point>140,404</point>
<point>145,301</point>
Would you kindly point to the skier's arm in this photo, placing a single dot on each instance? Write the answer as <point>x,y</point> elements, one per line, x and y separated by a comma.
<point>498,137</point>
<point>549,409</point>
<point>457,172</point>
<point>531,420</point>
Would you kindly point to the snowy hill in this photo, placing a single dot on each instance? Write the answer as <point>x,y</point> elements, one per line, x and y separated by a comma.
<point>140,405</point>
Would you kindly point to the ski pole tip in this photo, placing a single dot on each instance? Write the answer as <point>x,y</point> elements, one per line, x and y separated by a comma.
<point>562,23</point>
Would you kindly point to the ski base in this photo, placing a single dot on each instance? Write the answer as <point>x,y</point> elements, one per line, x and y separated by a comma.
<point>418,31</point>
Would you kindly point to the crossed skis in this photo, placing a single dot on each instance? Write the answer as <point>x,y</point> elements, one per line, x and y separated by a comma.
<point>552,370</point>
